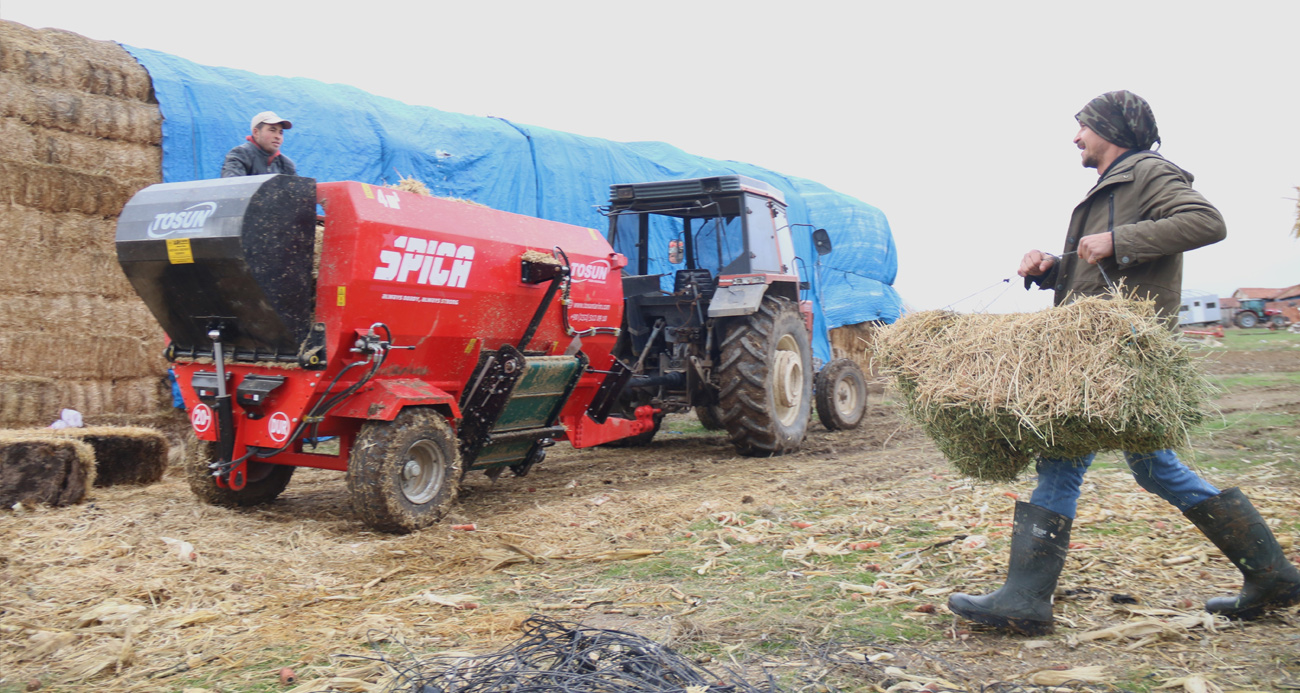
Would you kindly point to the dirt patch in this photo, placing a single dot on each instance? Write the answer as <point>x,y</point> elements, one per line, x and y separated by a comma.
<point>1263,361</point>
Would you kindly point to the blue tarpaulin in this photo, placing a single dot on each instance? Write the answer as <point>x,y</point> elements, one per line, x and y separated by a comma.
<point>343,133</point>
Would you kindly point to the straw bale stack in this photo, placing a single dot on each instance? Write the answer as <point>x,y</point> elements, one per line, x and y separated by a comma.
<point>37,400</point>
<point>997,391</point>
<point>855,342</point>
<point>70,61</point>
<point>82,134</point>
<point>122,455</point>
<point>46,471</point>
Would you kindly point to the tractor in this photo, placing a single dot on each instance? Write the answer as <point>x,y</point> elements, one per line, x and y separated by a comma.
<point>714,317</point>
<point>1252,313</point>
<point>430,337</point>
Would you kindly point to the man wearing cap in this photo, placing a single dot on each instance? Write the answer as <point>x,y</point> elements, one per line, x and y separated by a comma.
<point>1134,225</point>
<point>261,153</point>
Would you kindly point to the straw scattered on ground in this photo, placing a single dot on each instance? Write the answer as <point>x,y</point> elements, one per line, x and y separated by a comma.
<point>859,537</point>
<point>995,391</point>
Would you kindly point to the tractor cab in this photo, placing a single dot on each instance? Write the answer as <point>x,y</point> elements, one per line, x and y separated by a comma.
<point>727,226</point>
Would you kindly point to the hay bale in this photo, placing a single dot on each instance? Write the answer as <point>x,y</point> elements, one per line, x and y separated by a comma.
<point>123,455</point>
<point>122,160</point>
<point>60,253</point>
<point>997,391</point>
<point>68,313</point>
<point>79,112</point>
<point>36,401</point>
<point>59,231</point>
<point>81,354</point>
<point>71,61</point>
<point>44,470</point>
<point>61,189</point>
<point>855,342</point>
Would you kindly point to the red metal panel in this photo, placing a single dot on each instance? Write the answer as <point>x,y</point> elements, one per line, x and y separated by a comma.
<point>383,399</point>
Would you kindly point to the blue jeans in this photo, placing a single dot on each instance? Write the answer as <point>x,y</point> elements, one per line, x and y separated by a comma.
<point>1160,472</point>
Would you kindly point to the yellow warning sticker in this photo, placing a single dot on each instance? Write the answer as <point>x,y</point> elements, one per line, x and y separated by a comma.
<point>470,347</point>
<point>343,296</point>
<point>365,188</point>
<point>178,251</point>
<point>594,236</point>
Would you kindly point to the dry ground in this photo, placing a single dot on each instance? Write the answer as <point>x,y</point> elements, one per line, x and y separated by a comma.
<point>738,560</point>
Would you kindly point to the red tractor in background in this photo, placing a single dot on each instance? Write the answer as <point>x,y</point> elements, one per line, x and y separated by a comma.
<point>1252,313</point>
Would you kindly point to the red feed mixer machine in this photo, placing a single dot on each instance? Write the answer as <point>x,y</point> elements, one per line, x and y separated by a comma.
<point>439,337</point>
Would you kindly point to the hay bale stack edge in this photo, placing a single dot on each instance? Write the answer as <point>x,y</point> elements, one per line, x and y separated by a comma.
<point>995,391</point>
<point>122,454</point>
<point>44,470</point>
<point>85,131</point>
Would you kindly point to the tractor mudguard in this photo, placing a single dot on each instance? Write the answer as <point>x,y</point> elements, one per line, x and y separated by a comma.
<point>384,399</point>
<point>742,299</point>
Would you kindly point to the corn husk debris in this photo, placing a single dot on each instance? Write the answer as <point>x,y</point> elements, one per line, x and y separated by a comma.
<point>995,391</point>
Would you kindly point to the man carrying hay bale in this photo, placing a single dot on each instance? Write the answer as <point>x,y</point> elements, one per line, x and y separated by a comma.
<point>261,153</point>
<point>1132,227</point>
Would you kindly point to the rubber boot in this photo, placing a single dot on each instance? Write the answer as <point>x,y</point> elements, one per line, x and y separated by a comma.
<point>1039,542</point>
<point>1235,526</point>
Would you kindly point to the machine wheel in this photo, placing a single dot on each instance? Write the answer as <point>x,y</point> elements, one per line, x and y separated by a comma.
<point>710,417</point>
<point>1246,319</point>
<point>266,481</point>
<point>766,380</point>
<point>404,474</point>
<point>1278,321</point>
<point>841,395</point>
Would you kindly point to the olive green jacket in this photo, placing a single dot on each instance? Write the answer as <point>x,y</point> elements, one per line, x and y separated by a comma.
<point>1149,206</point>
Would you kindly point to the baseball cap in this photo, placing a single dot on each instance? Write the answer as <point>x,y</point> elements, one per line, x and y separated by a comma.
<point>270,117</point>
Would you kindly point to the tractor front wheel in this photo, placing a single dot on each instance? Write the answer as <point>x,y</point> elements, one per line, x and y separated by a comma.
<point>1279,321</point>
<point>403,474</point>
<point>265,483</point>
<point>841,395</point>
<point>765,374</point>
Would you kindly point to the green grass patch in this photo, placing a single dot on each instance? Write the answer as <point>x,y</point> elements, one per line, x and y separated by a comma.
<point>1229,383</point>
<point>1258,340</point>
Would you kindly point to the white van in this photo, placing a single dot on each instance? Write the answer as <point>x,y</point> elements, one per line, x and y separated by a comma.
<point>1199,308</point>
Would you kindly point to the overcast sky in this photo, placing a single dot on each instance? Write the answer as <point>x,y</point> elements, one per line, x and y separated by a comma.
<point>954,118</point>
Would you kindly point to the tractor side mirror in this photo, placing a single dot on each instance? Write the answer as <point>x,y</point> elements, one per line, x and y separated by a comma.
<point>821,241</point>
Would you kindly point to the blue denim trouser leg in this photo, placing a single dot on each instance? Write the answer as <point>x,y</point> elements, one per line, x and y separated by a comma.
<point>1058,484</point>
<point>1160,472</point>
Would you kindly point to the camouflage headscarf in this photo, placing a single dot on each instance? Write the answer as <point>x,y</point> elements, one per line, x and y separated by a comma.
<point>1121,118</point>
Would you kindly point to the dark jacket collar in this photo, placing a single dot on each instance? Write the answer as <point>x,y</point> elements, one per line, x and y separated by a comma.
<point>1114,165</point>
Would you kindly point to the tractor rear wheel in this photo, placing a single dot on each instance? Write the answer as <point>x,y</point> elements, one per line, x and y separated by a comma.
<point>265,483</point>
<point>709,416</point>
<point>403,474</point>
<point>841,395</point>
<point>1246,319</point>
<point>765,374</point>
